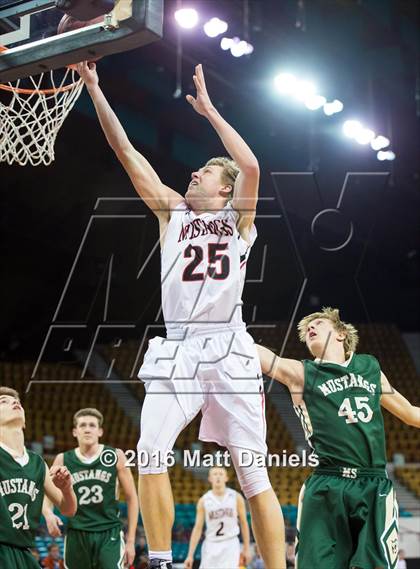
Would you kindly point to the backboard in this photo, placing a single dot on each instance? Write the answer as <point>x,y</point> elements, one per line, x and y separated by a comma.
<point>28,29</point>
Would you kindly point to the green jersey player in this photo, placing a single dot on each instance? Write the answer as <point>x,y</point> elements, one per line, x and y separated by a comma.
<point>348,517</point>
<point>94,537</point>
<point>24,479</point>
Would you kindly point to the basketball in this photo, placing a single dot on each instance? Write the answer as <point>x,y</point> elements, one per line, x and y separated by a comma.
<point>68,24</point>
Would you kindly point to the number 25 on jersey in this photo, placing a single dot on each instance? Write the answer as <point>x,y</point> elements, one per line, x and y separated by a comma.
<point>218,264</point>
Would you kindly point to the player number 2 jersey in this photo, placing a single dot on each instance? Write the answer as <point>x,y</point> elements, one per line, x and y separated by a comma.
<point>221,515</point>
<point>341,413</point>
<point>21,496</point>
<point>203,263</point>
<point>95,486</point>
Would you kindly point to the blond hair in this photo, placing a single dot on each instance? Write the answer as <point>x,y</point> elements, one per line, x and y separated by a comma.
<point>333,314</point>
<point>230,170</point>
<point>9,391</point>
<point>88,411</point>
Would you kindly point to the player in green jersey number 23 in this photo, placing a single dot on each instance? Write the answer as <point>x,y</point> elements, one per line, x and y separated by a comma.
<point>94,537</point>
<point>24,479</point>
<point>348,516</point>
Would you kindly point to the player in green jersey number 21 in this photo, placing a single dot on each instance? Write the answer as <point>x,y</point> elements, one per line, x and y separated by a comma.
<point>94,537</point>
<point>24,478</point>
<point>348,516</point>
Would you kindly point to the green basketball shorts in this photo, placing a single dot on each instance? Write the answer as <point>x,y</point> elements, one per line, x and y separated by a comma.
<point>347,518</point>
<point>94,549</point>
<point>16,558</point>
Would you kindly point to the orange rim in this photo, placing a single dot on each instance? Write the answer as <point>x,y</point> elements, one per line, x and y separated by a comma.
<point>51,91</point>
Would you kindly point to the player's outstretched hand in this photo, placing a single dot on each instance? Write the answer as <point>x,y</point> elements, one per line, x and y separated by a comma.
<point>53,525</point>
<point>201,104</point>
<point>61,477</point>
<point>130,553</point>
<point>87,71</point>
<point>188,563</point>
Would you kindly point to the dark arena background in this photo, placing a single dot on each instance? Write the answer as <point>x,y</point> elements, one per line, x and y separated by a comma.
<point>327,95</point>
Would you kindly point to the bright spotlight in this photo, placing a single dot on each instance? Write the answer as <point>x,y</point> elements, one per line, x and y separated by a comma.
<point>237,48</point>
<point>328,109</point>
<point>285,83</point>
<point>215,27</point>
<point>385,155</point>
<point>249,48</point>
<point>226,43</point>
<point>304,90</point>
<point>186,18</point>
<point>379,142</point>
<point>335,107</point>
<point>314,102</point>
<point>240,47</point>
<point>364,136</point>
<point>352,128</point>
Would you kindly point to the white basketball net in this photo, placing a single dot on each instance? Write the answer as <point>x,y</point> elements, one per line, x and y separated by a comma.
<point>31,120</point>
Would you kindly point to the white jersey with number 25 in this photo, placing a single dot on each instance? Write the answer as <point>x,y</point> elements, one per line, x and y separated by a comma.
<point>203,270</point>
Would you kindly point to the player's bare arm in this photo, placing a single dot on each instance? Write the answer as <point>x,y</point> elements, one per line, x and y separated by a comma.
<point>59,489</point>
<point>53,522</point>
<point>158,197</point>
<point>195,534</point>
<point>245,194</point>
<point>243,522</point>
<point>398,405</point>
<point>126,481</point>
<point>287,371</point>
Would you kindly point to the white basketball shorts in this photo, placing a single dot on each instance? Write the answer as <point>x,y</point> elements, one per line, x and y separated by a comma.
<point>220,374</point>
<point>220,554</point>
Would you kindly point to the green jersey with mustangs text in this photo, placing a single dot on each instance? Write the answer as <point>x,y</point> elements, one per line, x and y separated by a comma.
<point>95,485</point>
<point>341,413</point>
<point>21,496</point>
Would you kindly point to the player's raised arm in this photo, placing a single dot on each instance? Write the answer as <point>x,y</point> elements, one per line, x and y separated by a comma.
<point>160,198</point>
<point>59,490</point>
<point>125,478</point>
<point>286,371</point>
<point>398,405</point>
<point>195,534</point>
<point>243,522</point>
<point>245,194</point>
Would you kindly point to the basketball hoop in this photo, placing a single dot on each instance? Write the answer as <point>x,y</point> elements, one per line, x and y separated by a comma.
<point>35,112</point>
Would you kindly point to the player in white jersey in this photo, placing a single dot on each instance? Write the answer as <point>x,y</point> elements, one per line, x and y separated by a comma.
<point>208,362</point>
<point>220,508</point>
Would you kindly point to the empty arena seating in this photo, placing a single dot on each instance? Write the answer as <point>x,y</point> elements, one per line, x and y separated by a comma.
<point>410,477</point>
<point>50,405</point>
<point>385,342</point>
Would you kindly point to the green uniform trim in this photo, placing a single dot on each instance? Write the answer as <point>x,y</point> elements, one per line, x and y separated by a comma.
<point>350,472</point>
